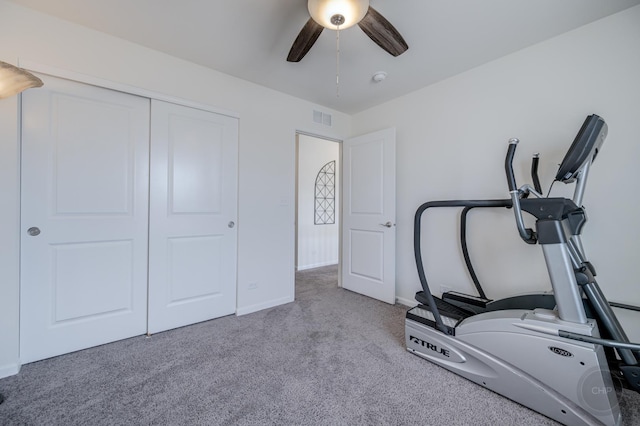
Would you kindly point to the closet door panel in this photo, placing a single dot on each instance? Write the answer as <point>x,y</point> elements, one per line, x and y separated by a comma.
<point>193,210</point>
<point>84,217</point>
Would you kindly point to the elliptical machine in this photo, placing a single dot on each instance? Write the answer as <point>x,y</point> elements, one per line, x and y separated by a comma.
<point>550,360</point>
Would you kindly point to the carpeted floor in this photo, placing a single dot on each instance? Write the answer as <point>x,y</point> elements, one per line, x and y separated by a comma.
<point>332,357</point>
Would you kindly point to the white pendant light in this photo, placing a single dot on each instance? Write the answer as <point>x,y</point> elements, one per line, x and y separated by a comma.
<point>14,80</point>
<point>338,14</point>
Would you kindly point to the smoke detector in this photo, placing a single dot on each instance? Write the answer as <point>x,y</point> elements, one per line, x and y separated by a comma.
<point>379,76</point>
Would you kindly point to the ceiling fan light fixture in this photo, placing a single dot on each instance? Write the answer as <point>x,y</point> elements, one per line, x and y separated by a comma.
<point>334,14</point>
<point>14,80</point>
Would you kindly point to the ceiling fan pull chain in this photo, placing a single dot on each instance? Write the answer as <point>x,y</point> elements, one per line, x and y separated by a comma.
<point>338,62</point>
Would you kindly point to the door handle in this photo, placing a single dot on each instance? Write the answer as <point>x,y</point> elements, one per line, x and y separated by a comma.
<point>33,231</point>
<point>231,224</point>
<point>388,224</point>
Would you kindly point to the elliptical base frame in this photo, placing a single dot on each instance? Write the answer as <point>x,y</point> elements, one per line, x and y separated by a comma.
<point>550,366</point>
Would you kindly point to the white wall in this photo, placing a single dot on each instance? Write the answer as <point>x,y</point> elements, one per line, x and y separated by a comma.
<point>267,151</point>
<point>317,244</point>
<point>9,232</point>
<point>452,139</point>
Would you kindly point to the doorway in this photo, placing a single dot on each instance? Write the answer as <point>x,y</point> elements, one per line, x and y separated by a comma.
<point>364,211</point>
<point>318,208</point>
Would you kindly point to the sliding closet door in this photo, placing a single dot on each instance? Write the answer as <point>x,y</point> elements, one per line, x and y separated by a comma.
<point>193,214</point>
<point>84,220</point>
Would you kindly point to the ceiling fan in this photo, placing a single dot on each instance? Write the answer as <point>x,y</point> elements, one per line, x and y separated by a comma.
<point>342,14</point>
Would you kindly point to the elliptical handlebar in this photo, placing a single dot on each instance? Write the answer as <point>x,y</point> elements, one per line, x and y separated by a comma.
<point>534,172</point>
<point>526,234</point>
<point>508,164</point>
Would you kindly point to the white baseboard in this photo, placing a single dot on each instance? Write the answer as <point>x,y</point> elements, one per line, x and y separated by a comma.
<point>406,302</point>
<point>9,370</point>
<point>260,306</point>
<point>317,265</point>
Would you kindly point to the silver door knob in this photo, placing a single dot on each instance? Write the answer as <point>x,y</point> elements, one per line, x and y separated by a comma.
<point>231,224</point>
<point>33,231</point>
<point>388,224</point>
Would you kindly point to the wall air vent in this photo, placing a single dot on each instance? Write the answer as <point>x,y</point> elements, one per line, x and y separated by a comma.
<point>321,118</point>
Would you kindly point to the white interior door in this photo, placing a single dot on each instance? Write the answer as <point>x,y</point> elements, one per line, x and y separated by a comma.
<point>369,215</point>
<point>84,218</point>
<point>193,210</point>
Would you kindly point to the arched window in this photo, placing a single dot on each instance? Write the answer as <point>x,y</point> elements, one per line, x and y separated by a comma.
<point>325,195</point>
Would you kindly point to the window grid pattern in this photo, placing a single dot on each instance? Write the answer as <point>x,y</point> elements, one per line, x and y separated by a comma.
<point>325,195</point>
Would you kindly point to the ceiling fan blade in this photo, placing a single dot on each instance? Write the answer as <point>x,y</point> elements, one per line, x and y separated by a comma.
<point>383,33</point>
<point>305,40</point>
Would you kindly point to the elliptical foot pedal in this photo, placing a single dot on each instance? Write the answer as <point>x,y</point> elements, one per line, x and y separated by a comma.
<point>631,374</point>
<point>449,314</point>
<point>466,299</point>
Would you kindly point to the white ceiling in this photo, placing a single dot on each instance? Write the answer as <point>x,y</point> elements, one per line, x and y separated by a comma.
<point>250,39</point>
